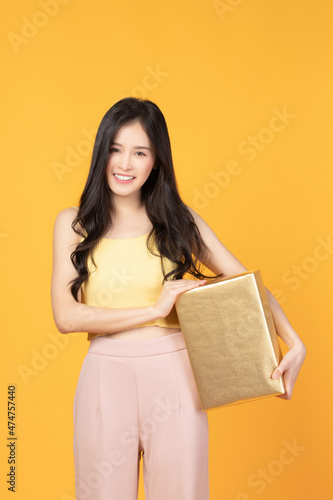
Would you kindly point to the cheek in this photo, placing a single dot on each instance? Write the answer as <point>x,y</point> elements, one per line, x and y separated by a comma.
<point>148,165</point>
<point>148,169</point>
<point>112,163</point>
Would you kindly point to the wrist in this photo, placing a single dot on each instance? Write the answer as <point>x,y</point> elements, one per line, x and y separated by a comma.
<point>154,312</point>
<point>298,345</point>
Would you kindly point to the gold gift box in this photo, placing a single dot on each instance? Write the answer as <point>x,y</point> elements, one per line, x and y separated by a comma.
<point>231,340</point>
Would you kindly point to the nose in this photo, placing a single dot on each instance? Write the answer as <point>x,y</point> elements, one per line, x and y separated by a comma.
<point>125,163</point>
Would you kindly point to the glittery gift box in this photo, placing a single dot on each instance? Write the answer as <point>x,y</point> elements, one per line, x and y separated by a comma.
<point>231,340</point>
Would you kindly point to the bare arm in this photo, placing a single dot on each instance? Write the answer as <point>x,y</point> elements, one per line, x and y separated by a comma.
<point>222,260</point>
<point>71,316</point>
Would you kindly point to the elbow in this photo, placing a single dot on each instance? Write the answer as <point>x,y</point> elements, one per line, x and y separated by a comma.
<point>61,329</point>
<point>64,324</point>
<point>60,326</point>
<point>67,317</point>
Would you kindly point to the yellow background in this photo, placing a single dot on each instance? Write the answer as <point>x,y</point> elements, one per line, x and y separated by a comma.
<point>219,71</point>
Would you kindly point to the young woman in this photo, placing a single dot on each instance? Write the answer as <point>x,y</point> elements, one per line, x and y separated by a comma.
<point>118,266</point>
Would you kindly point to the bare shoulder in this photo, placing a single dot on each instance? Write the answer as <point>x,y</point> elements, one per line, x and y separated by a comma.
<point>220,259</point>
<point>204,229</point>
<point>63,226</point>
<point>196,216</point>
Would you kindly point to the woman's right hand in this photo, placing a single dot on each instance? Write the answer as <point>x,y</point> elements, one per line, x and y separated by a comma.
<point>170,291</point>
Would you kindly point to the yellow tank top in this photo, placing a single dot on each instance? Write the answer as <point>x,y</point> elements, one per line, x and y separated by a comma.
<point>127,275</point>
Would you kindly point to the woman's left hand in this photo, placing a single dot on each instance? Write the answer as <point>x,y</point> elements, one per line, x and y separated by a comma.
<point>290,366</point>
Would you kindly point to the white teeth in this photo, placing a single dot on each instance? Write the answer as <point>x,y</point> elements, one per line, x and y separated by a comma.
<point>123,177</point>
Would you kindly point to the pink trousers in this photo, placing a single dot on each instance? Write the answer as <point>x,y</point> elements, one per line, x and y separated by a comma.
<point>133,397</point>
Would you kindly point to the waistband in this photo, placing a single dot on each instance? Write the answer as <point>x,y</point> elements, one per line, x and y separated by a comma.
<point>137,347</point>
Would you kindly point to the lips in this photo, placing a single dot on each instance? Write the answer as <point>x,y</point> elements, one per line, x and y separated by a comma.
<point>123,181</point>
<point>124,175</point>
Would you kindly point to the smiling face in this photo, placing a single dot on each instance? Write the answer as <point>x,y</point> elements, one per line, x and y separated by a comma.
<point>131,155</point>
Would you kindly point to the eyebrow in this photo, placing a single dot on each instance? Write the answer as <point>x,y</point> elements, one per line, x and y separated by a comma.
<point>136,147</point>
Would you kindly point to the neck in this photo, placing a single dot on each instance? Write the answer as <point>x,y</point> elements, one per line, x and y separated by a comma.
<point>127,206</point>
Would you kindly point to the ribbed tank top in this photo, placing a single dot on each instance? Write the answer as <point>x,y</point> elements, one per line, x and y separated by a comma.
<point>127,275</point>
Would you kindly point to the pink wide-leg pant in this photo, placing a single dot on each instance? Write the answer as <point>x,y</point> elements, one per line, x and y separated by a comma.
<point>136,396</point>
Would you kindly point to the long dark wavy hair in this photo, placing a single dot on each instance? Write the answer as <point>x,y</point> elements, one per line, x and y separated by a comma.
<point>176,234</point>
